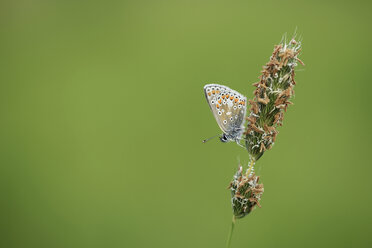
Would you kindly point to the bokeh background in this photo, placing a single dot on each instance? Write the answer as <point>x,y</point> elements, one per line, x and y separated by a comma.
<point>103,113</point>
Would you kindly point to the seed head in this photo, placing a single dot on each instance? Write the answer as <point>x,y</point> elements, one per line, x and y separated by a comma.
<point>245,192</point>
<point>271,98</point>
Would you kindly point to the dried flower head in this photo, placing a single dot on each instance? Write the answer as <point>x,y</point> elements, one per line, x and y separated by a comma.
<point>245,192</point>
<point>271,98</point>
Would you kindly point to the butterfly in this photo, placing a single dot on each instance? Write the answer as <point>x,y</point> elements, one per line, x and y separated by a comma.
<point>229,109</point>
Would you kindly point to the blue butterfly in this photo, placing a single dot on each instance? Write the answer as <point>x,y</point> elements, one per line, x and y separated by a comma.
<point>229,109</point>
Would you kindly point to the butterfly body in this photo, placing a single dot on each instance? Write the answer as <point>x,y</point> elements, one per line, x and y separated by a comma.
<point>229,109</point>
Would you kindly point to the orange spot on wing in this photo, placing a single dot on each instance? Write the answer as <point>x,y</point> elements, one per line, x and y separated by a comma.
<point>231,97</point>
<point>218,106</point>
<point>213,91</point>
<point>227,96</point>
<point>236,99</point>
<point>209,94</point>
<point>223,97</point>
<point>219,101</point>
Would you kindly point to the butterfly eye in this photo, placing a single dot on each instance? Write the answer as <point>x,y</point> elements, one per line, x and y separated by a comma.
<point>223,138</point>
<point>219,113</point>
<point>212,101</point>
<point>240,106</point>
<point>231,118</point>
<point>225,122</point>
<point>234,107</point>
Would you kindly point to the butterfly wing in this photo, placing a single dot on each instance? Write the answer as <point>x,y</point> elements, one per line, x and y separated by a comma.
<point>228,107</point>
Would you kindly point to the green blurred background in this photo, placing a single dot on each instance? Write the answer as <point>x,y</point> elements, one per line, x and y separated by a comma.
<point>103,113</point>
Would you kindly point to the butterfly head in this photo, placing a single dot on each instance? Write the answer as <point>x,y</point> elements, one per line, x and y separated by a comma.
<point>224,138</point>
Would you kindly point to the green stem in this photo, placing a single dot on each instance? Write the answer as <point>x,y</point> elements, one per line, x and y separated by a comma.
<point>250,167</point>
<point>231,232</point>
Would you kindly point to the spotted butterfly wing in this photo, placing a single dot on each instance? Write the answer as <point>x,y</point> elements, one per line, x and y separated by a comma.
<point>228,107</point>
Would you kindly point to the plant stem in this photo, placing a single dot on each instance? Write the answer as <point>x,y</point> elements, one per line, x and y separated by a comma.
<point>250,167</point>
<point>231,232</point>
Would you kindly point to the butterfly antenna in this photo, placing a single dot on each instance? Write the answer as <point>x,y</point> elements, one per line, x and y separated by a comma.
<point>204,141</point>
